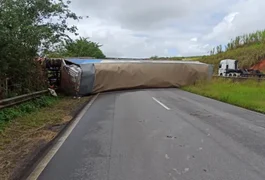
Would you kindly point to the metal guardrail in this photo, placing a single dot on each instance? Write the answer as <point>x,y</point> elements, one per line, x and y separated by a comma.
<point>20,99</point>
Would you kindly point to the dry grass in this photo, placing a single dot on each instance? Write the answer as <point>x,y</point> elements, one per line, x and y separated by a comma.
<point>24,137</point>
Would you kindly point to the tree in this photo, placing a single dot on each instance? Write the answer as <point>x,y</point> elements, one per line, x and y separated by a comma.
<point>154,57</point>
<point>219,49</point>
<point>28,27</point>
<point>82,47</point>
<point>212,52</point>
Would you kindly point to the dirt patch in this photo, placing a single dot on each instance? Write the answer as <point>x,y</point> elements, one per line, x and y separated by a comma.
<point>259,66</point>
<point>26,137</point>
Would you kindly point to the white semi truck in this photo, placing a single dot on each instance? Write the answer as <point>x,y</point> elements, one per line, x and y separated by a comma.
<point>229,68</point>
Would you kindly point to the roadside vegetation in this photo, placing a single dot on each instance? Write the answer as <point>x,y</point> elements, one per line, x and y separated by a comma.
<point>249,94</point>
<point>29,128</point>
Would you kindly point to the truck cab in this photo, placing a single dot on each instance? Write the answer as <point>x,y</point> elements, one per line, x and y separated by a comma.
<point>228,67</point>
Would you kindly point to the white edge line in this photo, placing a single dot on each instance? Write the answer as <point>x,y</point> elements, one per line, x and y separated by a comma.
<point>44,162</point>
<point>167,108</point>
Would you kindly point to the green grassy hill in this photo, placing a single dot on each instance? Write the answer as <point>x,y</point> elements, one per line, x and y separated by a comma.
<point>248,49</point>
<point>246,56</point>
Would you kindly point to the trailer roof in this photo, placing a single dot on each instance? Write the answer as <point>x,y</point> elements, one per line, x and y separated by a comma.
<point>93,61</point>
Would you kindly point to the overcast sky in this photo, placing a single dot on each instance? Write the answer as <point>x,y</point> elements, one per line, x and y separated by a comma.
<point>144,28</point>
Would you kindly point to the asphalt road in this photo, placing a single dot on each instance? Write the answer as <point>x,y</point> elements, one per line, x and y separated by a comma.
<point>162,135</point>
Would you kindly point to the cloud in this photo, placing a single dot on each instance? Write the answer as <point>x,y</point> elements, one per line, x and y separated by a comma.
<point>144,28</point>
<point>225,27</point>
<point>145,14</point>
<point>245,16</point>
<point>194,39</point>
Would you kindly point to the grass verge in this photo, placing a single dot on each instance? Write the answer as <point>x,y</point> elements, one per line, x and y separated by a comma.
<point>248,94</point>
<point>24,137</point>
<point>8,114</point>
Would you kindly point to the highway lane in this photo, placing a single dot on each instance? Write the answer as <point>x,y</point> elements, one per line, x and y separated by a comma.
<point>162,134</point>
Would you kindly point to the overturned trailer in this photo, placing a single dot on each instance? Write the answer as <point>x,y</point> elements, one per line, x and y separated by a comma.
<point>89,76</point>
